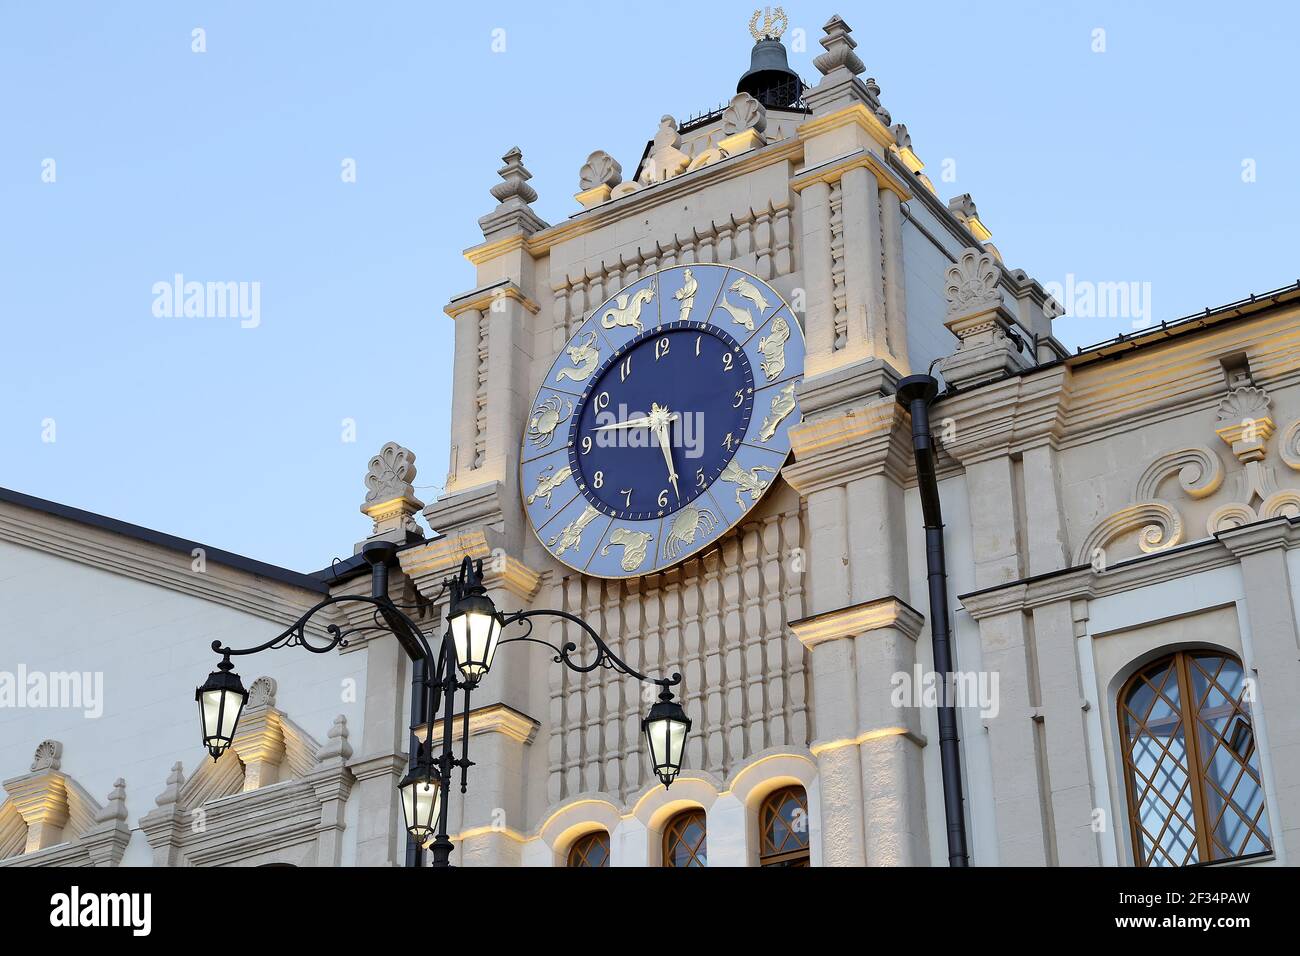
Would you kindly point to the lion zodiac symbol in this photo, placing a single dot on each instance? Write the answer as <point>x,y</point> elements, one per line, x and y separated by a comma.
<point>627,313</point>
<point>634,546</point>
<point>689,522</point>
<point>584,358</point>
<point>547,483</point>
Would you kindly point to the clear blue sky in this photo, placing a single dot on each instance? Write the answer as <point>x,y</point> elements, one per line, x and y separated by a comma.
<point>225,166</point>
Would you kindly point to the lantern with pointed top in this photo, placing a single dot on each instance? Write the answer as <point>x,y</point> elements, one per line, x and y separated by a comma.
<point>666,727</point>
<point>221,699</point>
<point>474,622</point>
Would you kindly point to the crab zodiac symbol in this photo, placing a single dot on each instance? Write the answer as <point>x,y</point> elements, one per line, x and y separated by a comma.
<point>546,416</point>
<point>689,522</point>
<point>634,546</point>
<point>746,481</point>
<point>584,358</point>
<point>627,313</point>
<point>547,483</point>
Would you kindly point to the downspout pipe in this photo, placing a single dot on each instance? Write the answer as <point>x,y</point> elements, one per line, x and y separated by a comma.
<point>915,393</point>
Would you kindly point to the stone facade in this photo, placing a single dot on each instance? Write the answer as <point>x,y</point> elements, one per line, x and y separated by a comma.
<point>1103,509</point>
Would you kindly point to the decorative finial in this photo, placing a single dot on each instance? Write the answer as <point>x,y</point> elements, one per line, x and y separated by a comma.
<point>513,188</point>
<point>839,46</point>
<point>972,283</point>
<point>262,693</point>
<point>337,746</point>
<point>47,756</point>
<point>115,809</point>
<point>390,497</point>
<point>172,792</point>
<point>774,24</point>
<point>600,169</point>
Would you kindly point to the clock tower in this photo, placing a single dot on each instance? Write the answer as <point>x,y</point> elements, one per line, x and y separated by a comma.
<point>672,416</point>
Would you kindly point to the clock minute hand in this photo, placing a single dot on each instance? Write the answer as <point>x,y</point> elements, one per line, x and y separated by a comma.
<point>661,434</point>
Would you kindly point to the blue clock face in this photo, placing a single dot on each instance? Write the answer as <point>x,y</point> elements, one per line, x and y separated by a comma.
<point>663,421</point>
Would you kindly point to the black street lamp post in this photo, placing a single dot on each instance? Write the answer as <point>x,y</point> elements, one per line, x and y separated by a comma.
<point>468,646</point>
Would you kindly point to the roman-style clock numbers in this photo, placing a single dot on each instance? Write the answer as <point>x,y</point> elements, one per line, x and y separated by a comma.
<point>663,421</point>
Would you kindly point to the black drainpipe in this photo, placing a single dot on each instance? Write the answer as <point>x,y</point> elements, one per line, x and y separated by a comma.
<point>915,393</point>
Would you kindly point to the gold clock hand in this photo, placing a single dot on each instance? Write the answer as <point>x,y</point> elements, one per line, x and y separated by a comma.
<point>630,423</point>
<point>661,433</point>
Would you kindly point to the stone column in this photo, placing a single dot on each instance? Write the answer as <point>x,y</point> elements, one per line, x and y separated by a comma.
<point>895,282</point>
<point>1275,665</point>
<point>864,283</point>
<point>819,313</point>
<point>464,395</point>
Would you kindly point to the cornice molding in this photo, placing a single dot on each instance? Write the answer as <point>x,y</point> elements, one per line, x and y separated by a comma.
<point>482,299</point>
<point>834,170</point>
<point>863,441</point>
<point>493,719</point>
<point>856,114</point>
<point>220,584</point>
<point>617,210</point>
<point>859,619</point>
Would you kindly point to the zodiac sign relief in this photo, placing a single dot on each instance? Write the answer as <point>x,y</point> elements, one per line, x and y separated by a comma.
<point>746,481</point>
<point>739,315</point>
<point>628,313</point>
<point>546,416</point>
<point>782,405</point>
<point>547,483</point>
<point>585,357</point>
<point>634,546</point>
<point>772,346</point>
<point>686,294</point>
<point>570,538</point>
<point>747,290</point>
<point>689,522</point>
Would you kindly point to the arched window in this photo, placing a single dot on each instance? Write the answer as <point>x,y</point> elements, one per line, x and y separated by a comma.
<point>590,849</point>
<point>1190,763</point>
<point>783,828</point>
<point>684,843</point>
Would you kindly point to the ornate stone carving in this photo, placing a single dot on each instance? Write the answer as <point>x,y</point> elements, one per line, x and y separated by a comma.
<point>48,756</point>
<point>972,284</point>
<point>839,46</point>
<point>390,496</point>
<point>1288,446</point>
<point>390,474</point>
<point>901,136</point>
<point>1159,523</point>
<point>665,160</point>
<point>262,692</point>
<point>1199,470</point>
<point>744,113</point>
<point>1244,423</point>
<point>600,169</point>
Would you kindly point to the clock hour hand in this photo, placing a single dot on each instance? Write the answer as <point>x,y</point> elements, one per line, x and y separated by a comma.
<point>630,423</point>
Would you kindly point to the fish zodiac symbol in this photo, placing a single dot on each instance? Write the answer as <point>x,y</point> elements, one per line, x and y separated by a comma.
<point>747,290</point>
<point>739,315</point>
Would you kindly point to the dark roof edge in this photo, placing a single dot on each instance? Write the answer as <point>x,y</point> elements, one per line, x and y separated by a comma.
<point>316,582</point>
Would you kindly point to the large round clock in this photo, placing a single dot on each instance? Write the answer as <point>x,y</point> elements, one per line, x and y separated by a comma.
<point>663,422</point>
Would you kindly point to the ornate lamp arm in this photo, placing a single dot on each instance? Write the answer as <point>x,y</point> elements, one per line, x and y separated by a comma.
<point>564,655</point>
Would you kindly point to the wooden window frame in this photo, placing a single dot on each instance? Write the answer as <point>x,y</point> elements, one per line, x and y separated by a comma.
<point>769,855</point>
<point>678,822</point>
<point>580,847</point>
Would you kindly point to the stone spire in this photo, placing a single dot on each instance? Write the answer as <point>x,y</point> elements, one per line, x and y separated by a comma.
<point>115,809</point>
<point>841,68</point>
<point>514,196</point>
